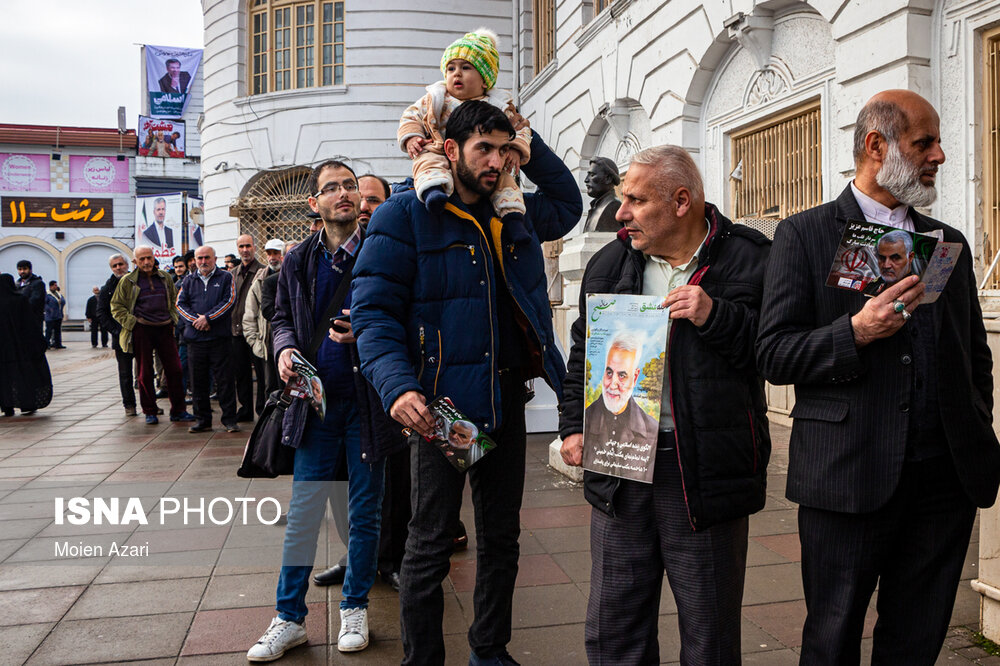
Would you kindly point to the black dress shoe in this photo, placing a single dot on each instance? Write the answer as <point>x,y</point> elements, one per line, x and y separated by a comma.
<point>200,427</point>
<point>162,393</point>
<point>332,576</point>
<point>461,540</point>
<point>392,579</point>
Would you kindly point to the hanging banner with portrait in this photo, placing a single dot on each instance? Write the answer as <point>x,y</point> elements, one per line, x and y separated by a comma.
<point>195,223</point>
<point>159,224</point>
<point>161,137</point>
<point>170,72</point>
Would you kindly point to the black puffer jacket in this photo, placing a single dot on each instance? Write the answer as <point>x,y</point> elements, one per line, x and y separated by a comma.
<point>718,400</point>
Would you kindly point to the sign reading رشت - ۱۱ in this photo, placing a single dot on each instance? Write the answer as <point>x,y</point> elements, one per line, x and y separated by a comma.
<point>56,212</point>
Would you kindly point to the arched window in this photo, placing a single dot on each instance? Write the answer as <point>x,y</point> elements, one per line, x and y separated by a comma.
<point>273,205</point>
<point>295,44</point>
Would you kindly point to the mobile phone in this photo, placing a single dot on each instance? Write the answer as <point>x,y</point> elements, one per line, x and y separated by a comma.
<point>338,322</point>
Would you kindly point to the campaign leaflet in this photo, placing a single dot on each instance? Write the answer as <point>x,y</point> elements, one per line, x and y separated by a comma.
<point>626,350</point>
<point>307,385</point>
<point>873,256</point>
<point>458,438</point>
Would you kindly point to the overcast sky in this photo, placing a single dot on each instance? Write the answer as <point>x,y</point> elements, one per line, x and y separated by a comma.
<point>74,62</point>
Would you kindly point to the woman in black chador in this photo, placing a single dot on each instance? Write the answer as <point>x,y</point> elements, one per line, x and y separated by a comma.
<point>25,381</point>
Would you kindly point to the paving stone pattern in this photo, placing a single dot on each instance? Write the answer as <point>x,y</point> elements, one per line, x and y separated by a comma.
<point>204,594</point>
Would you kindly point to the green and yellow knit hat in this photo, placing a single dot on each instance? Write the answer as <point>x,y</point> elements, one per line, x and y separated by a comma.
<point>480,49</point>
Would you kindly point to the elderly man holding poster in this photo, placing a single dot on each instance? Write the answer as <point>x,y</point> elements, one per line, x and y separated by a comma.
<point>713,443</point>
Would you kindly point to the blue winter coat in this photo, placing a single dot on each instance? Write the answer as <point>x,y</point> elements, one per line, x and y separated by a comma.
<point>54,307</point>
<point>424,304</point>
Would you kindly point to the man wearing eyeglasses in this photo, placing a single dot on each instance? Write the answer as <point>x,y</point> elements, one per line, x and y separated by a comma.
<point>119,267</point>
<point>314,286</point>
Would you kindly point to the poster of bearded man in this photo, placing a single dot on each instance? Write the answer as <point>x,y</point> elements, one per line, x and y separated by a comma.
<point>626,347</point>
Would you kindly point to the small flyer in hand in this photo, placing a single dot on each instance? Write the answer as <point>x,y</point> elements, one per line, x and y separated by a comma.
<point>873,256</point>
<point>626,350</point>
<point>307,385</point>
<point>459,439</point>
<point>941,265</point>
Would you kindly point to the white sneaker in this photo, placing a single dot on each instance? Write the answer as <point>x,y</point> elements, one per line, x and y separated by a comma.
<point>353,635</point>
<point>279,637</point>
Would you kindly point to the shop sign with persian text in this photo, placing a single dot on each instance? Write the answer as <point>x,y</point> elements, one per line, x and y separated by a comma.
<point>56,212</point>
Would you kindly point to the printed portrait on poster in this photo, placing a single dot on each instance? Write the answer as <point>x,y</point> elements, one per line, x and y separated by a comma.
<point>196,223</point>
<point>170,72</point>
<point>626,348</point>
<point>158,224</point>
<point>161,137</point>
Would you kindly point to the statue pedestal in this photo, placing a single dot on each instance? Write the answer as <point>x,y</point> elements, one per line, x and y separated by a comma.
<point>576,252</point>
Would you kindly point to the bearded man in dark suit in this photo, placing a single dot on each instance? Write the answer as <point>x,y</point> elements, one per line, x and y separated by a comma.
<point>174,81</point>
<point>892,447</point>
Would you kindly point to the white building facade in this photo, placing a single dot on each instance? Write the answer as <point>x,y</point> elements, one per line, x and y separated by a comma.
<point>763,94</point>
<point>290,84</point>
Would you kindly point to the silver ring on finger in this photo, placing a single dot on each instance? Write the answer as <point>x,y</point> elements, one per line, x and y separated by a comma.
<point>906,315</point>
<point>899,307</point>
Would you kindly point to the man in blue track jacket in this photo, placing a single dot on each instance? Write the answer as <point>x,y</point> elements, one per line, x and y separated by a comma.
<point>205,303</point>
<point>455,304</point>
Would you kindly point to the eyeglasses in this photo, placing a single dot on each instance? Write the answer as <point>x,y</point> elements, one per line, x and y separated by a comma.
<point>332,188</point>
<point>373,201</point>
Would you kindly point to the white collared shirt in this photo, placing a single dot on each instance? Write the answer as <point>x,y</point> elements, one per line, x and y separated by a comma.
<point>659,278</point>
<point>898,217</point>
<point>206,278</point>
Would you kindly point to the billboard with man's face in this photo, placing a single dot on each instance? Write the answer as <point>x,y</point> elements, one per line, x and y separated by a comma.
<point>158,224</point>
<point>170,72</point>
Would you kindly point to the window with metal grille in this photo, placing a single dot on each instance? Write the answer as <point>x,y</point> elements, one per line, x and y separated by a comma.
<point>991,156</point>
<point>600,6</point>
<point>296,44</point>
<point>544,30</point>
<point>776,167</point>
<point>273,205</point>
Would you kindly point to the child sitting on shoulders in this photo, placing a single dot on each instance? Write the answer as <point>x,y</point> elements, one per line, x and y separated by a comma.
<point>470,66</point>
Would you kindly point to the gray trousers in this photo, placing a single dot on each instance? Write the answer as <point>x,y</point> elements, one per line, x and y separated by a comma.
<point>650,534</point>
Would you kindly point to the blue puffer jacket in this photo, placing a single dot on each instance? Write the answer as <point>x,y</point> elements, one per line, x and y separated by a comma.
<point>424,303</point>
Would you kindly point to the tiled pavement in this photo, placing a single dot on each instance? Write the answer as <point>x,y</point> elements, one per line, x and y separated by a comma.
<point>204,594</point>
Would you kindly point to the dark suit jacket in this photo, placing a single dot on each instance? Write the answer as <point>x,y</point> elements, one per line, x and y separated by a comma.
<point>185,82</point>
<point>851,412</point>
<point>154,237</point>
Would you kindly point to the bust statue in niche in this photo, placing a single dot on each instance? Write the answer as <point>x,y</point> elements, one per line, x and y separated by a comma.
<point>600,183</point>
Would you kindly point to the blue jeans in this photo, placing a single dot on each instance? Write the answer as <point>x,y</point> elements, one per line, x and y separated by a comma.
<point>312,487</point>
